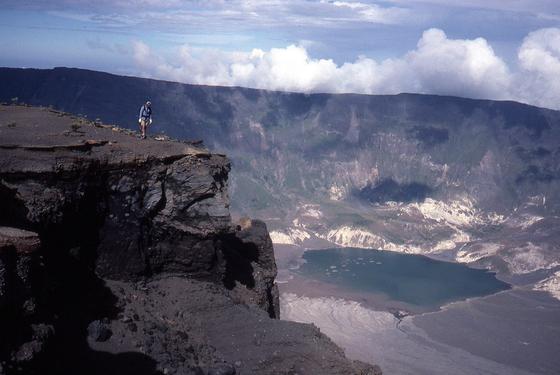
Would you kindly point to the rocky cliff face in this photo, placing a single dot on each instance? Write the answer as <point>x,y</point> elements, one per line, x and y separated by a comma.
<point>120,256</point>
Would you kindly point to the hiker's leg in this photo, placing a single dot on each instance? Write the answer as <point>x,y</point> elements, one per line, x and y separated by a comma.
<point>143,127</point>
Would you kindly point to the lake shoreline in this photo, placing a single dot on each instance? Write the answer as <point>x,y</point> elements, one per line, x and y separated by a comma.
<point>300,251</point>
<point>308,287</point>
<point>316,284</point>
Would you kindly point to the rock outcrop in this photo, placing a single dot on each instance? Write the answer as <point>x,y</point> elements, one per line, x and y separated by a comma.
<point>21,283</point>
<point>125,260</point>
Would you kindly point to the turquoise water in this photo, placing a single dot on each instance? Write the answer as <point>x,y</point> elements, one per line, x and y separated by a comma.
<point>413,279</point>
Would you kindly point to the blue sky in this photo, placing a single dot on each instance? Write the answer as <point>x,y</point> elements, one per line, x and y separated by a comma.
<point>497,49</point>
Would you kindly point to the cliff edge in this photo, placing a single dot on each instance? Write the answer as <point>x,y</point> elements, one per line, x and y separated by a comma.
<point>119,256</point>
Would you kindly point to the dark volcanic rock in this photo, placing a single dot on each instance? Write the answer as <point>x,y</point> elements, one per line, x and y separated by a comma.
<point>18,266</point>
<point>201,325</point>
<point>222,370</point>
<point>134,266</point>
<point>21,290</point>
<point>137,211</point>
<point>99,331</point>
<point>23,242</point>
<point>41,335</point>
<point>253,253</point>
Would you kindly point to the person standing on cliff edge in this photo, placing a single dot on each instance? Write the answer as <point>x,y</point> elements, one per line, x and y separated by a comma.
<point>145,117</point>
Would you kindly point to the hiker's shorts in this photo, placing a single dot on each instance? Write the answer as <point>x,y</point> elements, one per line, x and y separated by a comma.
<point>144,122</point>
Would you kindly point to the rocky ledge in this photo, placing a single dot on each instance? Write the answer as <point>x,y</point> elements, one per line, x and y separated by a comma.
<point>119,256</point>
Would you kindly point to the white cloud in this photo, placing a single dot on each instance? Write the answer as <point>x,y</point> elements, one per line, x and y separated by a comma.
<point>455,66</point>
<point>539,59</point>
<point>438,65</point>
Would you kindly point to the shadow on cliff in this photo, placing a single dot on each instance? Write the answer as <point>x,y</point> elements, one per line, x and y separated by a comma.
<point>78,298</point>
<point>238,257</point>
<point>390,190</point>
<point>69,296</point>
